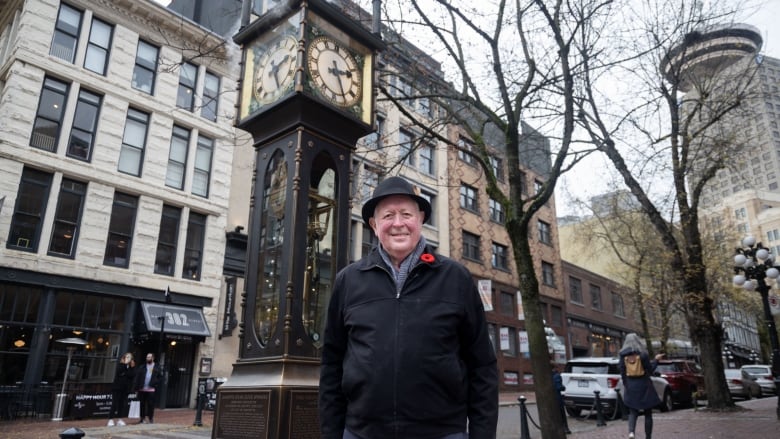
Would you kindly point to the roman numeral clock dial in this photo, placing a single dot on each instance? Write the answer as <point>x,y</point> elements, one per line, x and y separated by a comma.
<point>335,72</point>
<point>275,70</point>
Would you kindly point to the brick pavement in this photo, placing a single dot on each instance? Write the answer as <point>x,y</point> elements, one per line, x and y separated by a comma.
<point>758,421</point>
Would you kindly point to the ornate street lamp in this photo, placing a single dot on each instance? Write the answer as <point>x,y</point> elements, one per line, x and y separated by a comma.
<point>753,268</point>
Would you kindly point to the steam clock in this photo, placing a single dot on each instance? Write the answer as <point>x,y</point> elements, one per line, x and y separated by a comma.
<point>306,96</point>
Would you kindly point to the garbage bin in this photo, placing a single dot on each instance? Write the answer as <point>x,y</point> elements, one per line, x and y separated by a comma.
<point>72,433</point>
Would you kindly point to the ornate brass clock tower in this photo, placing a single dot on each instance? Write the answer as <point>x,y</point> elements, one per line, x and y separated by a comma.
<point>306,96</point>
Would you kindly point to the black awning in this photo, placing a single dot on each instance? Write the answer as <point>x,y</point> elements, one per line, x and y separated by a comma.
<point>178,319</point>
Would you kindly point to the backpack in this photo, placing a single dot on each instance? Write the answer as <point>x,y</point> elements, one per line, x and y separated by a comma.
<point>634,366</point>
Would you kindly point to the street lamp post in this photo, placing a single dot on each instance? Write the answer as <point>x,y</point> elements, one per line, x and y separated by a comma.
<point>753,266</point>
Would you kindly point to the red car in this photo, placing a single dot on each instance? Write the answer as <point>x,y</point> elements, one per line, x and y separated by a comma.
<point>685,379</point>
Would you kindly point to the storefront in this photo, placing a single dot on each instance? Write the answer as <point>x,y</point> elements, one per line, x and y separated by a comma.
<point>37,310</point>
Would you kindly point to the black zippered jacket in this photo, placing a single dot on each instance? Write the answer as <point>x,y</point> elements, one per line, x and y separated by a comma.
<point>411,365</point>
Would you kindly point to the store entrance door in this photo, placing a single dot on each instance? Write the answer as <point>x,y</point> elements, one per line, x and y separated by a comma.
<point>179,362</point>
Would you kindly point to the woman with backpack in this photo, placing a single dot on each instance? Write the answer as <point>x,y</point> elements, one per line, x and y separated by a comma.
<point>638,392</point>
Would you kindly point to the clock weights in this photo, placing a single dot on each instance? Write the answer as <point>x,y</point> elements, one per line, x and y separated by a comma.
<point>306,96</point>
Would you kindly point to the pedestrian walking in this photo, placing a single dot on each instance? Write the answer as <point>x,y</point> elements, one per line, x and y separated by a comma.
<point>147,380</point>
<point>638,392</point>
<point>121,386</point>
<point>406,350</point>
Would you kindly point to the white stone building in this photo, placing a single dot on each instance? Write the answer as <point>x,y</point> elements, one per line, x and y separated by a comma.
<point>116,153</point>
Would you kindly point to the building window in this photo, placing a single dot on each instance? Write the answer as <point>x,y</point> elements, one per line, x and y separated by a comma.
<point>595,296</point>
<point>66,33</point>
<point>48,120</point>
<point>120,230</point>
<point>374,140</point>
<point>432,201</point>
<point>29,209</point>
<point>575,290</point>
<point>67,218</point>
<point>369,240</point>
<point>133,142</point>
<point>471,246</point>
<point>466,151</point>
<point>98,47</point>
<point>468,198</point>
<point>511,346</point>
<point>492,334</point>
<point>556,315</point>
<point>202,175</point>
<point>145,67</point>
<point>507,303</point>
<point>405,143</point>
<point>740,213</point>
<point>177,157</point>
<point>424,107</point>
<point>538,185</point>
<point>548,274</point>
<point>426,158</point>
<point>188,77</point>
<point>500,256</point>
<point>523,183</point>
<point>544,232</point>
<point>496,211</point>
<point>210,99</point>
<point>193,248</point>
<point>370,182</point>
<point>82,134</point>
<point>498,167</point>
<point>165,259</point>
<point>617,305</point>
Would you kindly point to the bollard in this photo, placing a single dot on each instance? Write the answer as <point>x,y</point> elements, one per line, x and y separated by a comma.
<point>72,433</point>
<point>600,422</point>
<point>620,406</point>
<point>524,432</point>
<point>199,406</point>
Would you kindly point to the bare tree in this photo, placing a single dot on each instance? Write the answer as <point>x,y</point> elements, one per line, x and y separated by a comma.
<point>682,139</point>
<point>504,62</point>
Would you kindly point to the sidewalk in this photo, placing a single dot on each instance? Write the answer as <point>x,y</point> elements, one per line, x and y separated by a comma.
<point>757,421</point>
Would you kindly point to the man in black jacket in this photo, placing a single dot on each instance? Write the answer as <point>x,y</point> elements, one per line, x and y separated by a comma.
<point>147,381</point>
<point>406,351</point>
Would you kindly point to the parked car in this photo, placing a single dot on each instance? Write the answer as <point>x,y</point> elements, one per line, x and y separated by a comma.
<point>763,376</point>
<point>741,384</point>
<point>582,376</point>
<point>684,377</point>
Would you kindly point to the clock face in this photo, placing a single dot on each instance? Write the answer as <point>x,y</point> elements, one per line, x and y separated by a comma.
<point>275,70</point>
<point>335,72</point>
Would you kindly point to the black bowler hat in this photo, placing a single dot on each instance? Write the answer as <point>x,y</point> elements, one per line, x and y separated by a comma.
<point>394,186</point>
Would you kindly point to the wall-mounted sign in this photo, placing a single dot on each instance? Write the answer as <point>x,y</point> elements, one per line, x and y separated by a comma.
<point>178,319</point>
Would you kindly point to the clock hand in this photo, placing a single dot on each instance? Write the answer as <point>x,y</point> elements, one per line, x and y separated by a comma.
<point>274,70</point>
<point>335,70</point>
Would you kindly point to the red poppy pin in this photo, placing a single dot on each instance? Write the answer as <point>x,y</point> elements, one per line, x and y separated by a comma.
<point>427,257</point>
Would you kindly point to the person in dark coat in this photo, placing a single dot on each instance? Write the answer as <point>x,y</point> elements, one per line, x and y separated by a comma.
<point>559,388</point>
<point>148,378</point>
<point>122,385</point>
<point>406,350</point>
<point>638,392</point>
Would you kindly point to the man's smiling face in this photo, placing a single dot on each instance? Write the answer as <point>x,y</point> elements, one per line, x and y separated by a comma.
<point>397,222</point>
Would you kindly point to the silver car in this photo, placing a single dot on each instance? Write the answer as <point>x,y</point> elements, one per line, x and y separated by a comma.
<point>741,384</point>
<point>763,376</point>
